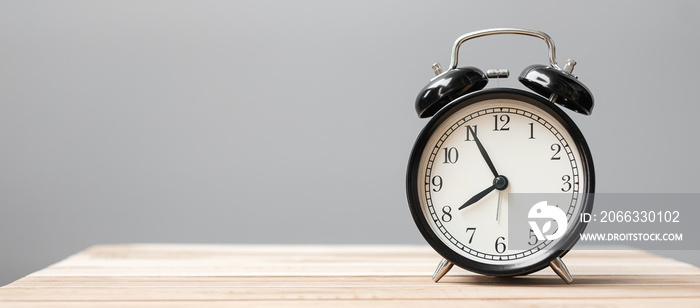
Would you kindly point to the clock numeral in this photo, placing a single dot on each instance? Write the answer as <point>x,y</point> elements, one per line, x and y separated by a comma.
<point>451,155</point>
<point>472,230</point>
<point>437,183</point>
<point>471,131</point>
<point>567,183</point>
<point>556,148</point>
<point>446,216</point>
<point>505,119</point>
<point>500,245</point>
<point>532,239</point>
<point>532,131</point>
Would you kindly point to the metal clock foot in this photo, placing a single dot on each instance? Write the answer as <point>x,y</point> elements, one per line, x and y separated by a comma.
<point>560,268</point>
<point>442,269</point>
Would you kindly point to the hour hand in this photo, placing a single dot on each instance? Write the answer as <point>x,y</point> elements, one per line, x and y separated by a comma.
<point>478,196</point>
<point>500,183</point>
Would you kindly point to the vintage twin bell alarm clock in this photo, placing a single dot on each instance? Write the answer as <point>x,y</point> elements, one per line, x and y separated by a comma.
<point>483,145</point>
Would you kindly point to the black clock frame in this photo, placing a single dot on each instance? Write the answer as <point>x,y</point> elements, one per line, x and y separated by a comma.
<point>562,246</point>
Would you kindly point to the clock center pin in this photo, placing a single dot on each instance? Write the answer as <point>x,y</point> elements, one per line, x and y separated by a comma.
<point>500,182</point>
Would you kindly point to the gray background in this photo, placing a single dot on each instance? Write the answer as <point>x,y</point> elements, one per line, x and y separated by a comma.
<point>292,121</point>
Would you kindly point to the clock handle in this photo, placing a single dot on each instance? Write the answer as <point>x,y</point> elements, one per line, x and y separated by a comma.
<point>487,32</point>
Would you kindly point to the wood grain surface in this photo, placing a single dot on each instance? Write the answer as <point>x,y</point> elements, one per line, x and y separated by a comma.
<point>165,275</point>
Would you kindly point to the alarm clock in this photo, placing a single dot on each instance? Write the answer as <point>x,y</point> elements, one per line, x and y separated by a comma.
<point>483,145</point>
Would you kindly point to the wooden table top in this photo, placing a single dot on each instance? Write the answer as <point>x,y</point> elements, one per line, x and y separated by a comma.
<point>165,275</point>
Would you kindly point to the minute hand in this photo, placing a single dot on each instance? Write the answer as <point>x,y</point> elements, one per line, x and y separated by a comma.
<point>486,156</point>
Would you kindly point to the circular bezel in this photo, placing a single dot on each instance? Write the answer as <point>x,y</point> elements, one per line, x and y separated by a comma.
<point>529,265</point>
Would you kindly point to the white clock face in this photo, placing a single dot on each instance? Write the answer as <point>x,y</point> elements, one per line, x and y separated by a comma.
<point>526,145</point>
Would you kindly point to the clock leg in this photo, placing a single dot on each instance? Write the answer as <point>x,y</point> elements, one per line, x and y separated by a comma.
<point>558,266</point>
<point>442,269</point>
